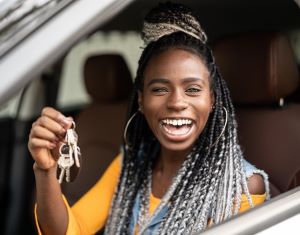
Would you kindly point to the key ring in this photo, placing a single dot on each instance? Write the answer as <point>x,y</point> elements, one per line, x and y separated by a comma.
<point>61,148</point>
<point>73,125</point>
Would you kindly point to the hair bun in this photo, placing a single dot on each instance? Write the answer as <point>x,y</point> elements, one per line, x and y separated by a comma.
<point>169,18</point>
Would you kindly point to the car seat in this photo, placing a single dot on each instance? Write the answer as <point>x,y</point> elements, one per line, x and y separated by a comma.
<point>100,125</point>
<point>261,72</point>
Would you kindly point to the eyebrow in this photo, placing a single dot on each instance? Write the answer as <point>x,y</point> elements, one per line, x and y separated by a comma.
<point>166,81</point>
<point>158,80</point>
<point>192,79</point>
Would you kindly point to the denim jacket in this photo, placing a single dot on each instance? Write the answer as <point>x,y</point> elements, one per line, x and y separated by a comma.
<point>155,222</point>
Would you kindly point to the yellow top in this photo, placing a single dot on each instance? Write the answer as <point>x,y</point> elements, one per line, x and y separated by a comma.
<point>89,214</point>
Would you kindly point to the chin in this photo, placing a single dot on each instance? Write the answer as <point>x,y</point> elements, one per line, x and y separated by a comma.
<point>178,147</point>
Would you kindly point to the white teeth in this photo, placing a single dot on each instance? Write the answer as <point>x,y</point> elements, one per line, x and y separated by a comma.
<point>177,122</point>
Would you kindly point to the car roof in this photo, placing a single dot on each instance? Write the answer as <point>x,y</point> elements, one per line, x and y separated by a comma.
<point>50,41</point>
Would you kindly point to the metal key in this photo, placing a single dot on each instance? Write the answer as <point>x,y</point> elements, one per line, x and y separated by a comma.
<point>68,178</point>
<point>61,175</point>
<point>71,139</point>
<point>65,162</point>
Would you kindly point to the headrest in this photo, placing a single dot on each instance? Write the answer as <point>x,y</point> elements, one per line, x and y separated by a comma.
<point>107,78</point>
<point>258,68</point>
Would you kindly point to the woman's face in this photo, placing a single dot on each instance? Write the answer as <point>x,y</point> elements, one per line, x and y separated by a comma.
<point>176,98</point>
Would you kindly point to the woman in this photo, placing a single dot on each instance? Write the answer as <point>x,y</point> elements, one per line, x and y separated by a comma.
<point>181,168</point>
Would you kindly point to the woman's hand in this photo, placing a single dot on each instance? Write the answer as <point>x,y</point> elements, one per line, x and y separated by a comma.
<point>46,136</point>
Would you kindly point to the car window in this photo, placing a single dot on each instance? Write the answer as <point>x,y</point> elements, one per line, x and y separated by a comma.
<point>24,100</point>
<point>294,37</point>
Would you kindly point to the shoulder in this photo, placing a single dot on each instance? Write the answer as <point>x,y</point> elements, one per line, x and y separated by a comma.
<point>257,180</point>
<point>256,184</point>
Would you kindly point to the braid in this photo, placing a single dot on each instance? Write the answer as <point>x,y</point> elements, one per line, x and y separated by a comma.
<point>210,182</point>
<point>166,17</point>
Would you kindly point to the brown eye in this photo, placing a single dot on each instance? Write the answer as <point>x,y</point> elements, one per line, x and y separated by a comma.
<point>159,90</point>
<point>193,90</point>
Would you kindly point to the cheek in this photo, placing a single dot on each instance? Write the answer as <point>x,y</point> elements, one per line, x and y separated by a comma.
<point>151,104</point>
<point>152,107</point>
<point>149,109</point>
<point>203,110</point>
<point>151,112</point>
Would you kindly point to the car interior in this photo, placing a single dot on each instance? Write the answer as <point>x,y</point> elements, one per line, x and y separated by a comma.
<point>257,49</point>
<point>262,74</point>
<point>100,124</point>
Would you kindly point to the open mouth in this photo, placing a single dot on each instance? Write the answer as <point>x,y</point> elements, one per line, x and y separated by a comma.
<point>177,126</point>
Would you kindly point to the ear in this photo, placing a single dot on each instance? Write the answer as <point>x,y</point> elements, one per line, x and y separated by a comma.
<point>140,101</point>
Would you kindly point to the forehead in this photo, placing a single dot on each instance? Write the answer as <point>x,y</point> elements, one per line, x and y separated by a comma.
<point>176,63</point>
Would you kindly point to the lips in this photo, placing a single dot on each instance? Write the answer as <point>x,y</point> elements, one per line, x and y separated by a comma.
<point>177,128</point>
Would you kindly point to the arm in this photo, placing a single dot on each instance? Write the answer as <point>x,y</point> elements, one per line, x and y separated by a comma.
<point>53,217</point>
<point>45,137</point>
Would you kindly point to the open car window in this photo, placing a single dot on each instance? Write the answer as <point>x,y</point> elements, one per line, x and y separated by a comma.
<point>65,30</point>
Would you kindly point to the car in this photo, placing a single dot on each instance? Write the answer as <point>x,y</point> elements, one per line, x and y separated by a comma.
<point>44,47</point>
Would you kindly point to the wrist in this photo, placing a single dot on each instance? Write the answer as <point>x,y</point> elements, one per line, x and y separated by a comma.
<point>48,171</point>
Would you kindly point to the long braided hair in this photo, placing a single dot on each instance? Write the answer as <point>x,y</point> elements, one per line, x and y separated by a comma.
<point>211,180</point>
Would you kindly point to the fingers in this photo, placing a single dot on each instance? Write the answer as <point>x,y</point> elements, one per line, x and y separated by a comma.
<point>35,143</point>
<point>44,133</point>
<point>50,129</point>
<point>44,125</point>
<point>65,122</point>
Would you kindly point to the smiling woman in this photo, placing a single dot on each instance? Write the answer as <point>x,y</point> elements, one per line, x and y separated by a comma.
<point>181,168</point>
<point>176,99</point>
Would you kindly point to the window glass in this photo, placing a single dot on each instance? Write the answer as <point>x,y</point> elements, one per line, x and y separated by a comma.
<point>295,41</point>
<point>27,106</point>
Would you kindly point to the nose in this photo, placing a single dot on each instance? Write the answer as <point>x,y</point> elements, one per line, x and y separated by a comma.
<point>177,101</point>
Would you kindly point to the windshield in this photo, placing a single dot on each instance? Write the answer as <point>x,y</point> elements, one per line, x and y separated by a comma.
<point>18,18</point>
